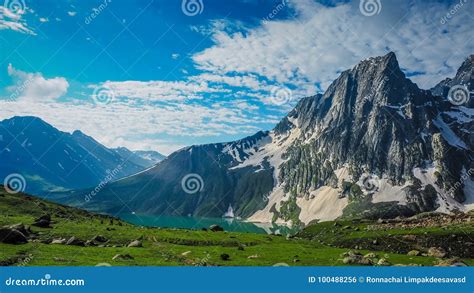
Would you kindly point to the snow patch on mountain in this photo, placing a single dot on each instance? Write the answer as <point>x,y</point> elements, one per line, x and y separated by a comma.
<point>448,133</point>
<point>388,193</point>
<point>272,152</point>
<point>324,204</point>
<point>270,149</point>
<point>446,203</point>
<point>274,201</point>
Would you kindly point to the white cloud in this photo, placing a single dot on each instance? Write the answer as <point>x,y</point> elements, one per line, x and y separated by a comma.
<point>71,13</point>
<point>322,41</point>
<point>43,19</point>
<point>12,20</point>
<point>34,87</point>
<point>175,56</point>
<point>160,90</point>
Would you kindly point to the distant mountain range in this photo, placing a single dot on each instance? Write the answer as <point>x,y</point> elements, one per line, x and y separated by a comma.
<point>373,145</point>
<point>53,160</point>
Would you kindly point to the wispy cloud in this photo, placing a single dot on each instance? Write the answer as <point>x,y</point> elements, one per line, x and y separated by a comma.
<point>13,20</point>
<point>320,41</point>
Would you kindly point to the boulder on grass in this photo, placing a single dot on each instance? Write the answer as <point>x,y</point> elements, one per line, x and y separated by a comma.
<point>43,221</point>
<point>135,243</point>
<point>122,257</point>
<point>413,253</point>
<point>225,256</point>
<point>22,228</point>
<point>99,238</point>
<point>216,228</point>
<point>12,236</point>
<point>436,252</point>
<point>74,241</point>
<point>59,241</point>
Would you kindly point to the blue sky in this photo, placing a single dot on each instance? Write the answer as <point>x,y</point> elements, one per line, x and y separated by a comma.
<point>159,75</point>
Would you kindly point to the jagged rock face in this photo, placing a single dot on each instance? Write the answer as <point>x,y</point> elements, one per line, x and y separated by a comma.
<point>371,118</point>
<point>374,120</point>
<point>371,122</point>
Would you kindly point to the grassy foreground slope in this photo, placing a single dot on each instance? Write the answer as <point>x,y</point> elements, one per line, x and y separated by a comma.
<point>103,240</point>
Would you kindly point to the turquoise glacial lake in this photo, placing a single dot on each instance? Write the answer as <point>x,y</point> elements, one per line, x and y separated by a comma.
<point>229,224</point>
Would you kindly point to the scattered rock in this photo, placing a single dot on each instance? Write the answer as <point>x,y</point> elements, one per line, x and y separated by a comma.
<point>135,243</point>
<point>43,221</point>
<point>12,236</point>
<point>99,238</point>
<point>225,256</point>
<point>370,255</point>
<point>22,228</point>
<point>216,228</point>
<point>436,252</point>
<point>351,257</point>
<point>186,253</point>
<point>42,224</point>
<point>252,256</point>
<point>122,257</point>
<point>383,262</point>
<point>74,241</point>
<point>90,243</point>
<point>452,262</point>
<point>59,241</point>
<point>413,253</point>
<point>409,237</point>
